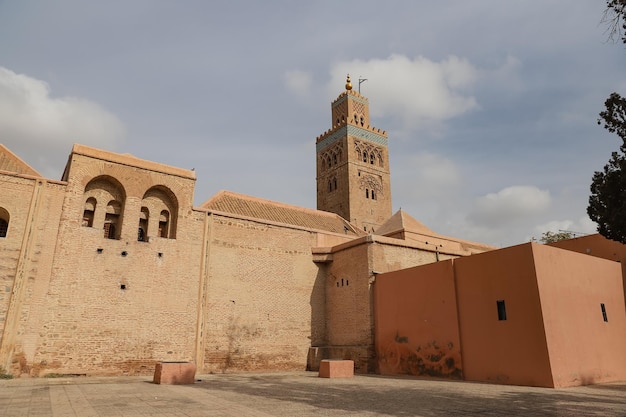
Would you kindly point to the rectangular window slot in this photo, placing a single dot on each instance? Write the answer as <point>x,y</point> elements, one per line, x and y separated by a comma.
<point>122,286</point>
<point>501,310</point>
<point>603,308</point>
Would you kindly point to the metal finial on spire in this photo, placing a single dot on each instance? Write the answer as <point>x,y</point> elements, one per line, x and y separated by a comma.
<point>348,84</point>
<point>361,81</point>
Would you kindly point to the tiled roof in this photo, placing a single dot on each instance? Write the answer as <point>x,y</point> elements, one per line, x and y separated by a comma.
<point>12,163</point>
<point>243,205</point>
<point>402,221</point>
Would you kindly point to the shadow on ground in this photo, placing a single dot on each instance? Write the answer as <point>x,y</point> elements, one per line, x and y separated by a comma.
<point>404,397</point>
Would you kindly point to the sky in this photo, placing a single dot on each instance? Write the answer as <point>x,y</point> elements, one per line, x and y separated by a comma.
<point>491,107</point>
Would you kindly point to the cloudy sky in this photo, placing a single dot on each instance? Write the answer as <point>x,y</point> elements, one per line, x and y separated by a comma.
<point>490,106</point>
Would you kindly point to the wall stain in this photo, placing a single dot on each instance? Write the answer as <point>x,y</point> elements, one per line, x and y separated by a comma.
<point>429,359</point>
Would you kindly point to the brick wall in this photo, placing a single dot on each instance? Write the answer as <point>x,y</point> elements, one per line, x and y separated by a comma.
<point>264,297</point>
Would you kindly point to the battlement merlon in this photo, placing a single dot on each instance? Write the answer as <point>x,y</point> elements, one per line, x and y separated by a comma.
<point>354,95</point>
<point>368,133</point>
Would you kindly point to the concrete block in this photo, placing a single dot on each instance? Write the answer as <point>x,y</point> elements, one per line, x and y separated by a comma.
<point>336,368</point>
<point>175,373</point>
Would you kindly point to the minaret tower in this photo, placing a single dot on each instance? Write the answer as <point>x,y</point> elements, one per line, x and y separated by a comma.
<point>353,164</point>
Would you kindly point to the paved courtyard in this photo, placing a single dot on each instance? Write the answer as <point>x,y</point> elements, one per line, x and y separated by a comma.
<point>299,394</point>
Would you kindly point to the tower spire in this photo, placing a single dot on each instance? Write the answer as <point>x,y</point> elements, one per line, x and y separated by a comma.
<point>348,83</point>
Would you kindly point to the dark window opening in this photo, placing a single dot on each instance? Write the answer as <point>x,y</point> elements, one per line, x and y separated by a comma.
<point>367,193</point>
<point>373,197</point>
<point>372,159</point>
<point>122,286</point>
<point>88,212</point>
<point>364,156</point>
<point>335,159</point>
<point>4,227</point>
<point>335,183</point>
<point>328,161</point>
<point>362,120</point>
<point>603,308</point>
<point>109,230</point>
<point>164,224</point>
<point>141,235</point>
<point>356,119</point>
<point>501,310</point>
<point>330,186</point>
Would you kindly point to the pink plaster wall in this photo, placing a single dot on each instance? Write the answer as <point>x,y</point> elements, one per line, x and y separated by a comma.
<point>416,322</point>
<point>584,349</point>
<point>511,351</point>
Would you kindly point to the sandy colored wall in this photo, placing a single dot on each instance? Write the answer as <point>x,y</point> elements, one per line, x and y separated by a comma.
<point>88,323</point>
<point>265,297</point>
<point>512,351</point>
<point>584,349</point>
<point>26,256</point>
<point>416,322</point>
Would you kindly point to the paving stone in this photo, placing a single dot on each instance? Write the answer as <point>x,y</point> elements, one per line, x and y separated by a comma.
<point>301,394</point>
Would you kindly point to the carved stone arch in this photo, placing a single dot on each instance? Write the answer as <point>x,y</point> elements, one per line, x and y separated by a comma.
<point>162,202</point>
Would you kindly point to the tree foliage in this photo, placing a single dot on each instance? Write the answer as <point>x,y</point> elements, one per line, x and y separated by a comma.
<point>607,203</point>
<point>551,237</point>
<point>614,19</point>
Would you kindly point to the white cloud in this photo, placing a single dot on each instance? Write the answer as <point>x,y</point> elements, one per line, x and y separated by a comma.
<point>298,82</point>
<point>416,91</point>
<point>41,128</point>
<point>427,175</point>
<point>508,205</point>
<point>584,225</point>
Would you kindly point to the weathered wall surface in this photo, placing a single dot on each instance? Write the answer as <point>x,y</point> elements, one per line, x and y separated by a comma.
<point>511,351</point>
<point>265,297</point>
<point>416,322</point>
<point>26,255</point>
<point>118,305</point>
<point>584,349</point>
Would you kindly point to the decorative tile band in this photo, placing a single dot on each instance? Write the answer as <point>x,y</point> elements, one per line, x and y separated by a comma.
<point>352,131</point>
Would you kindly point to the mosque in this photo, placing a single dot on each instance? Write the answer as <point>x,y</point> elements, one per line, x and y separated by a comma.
<point>112,269</point>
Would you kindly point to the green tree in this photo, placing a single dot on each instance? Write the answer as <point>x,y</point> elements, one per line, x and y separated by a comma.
<point>607,203</point>
<point>550,237</point>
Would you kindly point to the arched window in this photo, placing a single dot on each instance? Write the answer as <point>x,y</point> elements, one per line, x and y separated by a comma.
<point>329,165</point>
<point>335,183</point>
<point>164,224</point>
<point>372,158</point>
<point>335,159</point>
<point>142,232</point>
<point>112,220</point>
<point>88,212</point>
<point>162,206</point>
<point>367,193</point>
<point>4,222</point>
<point>373,196</point>
<point>362,120</point>
<point>330,186</point>
<point>104,206</point>
<point>365,156</point>
<point>356,119</point>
